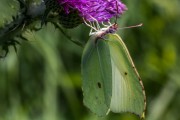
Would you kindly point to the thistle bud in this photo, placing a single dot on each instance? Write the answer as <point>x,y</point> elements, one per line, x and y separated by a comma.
<point>68,19</point>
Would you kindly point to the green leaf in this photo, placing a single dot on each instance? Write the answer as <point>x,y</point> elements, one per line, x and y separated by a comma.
<point>128,92</point>
<point>97,76</point>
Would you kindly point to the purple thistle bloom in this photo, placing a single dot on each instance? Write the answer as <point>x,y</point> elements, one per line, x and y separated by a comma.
<point>101,10</point>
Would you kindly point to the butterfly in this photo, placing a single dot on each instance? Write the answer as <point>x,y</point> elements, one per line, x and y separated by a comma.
<point>110,81</point>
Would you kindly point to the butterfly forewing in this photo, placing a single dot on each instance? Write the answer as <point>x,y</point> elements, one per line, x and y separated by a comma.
<point>127,89</point>
<point>97,76</point>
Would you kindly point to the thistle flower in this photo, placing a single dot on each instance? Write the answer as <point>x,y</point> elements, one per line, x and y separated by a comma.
<point>71,12</point>
<point>91,10</point>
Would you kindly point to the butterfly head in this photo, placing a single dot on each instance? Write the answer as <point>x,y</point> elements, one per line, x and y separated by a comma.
<point>113,28</point>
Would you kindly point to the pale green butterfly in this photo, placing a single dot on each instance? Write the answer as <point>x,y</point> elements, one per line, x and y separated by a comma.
<point>110,79</point>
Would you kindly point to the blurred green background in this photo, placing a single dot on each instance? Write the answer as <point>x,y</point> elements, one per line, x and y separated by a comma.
<point>43,80</point>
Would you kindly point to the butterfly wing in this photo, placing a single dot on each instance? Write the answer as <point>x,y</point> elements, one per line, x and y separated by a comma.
<point>127,89</point>
<point>97,76</point>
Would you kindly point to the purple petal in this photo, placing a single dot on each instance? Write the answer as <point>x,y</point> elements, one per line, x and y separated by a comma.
<point>101,10</point>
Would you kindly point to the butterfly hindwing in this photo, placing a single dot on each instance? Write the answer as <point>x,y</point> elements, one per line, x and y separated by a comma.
<point>127,89</point>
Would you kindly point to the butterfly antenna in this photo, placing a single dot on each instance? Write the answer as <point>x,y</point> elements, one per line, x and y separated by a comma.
<point>117,12</point>
<point>138,25</point>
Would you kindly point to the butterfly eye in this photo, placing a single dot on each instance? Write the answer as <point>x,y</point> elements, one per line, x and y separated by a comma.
<point>112,31</point>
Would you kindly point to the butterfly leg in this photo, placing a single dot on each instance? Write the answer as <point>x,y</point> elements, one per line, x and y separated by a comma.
<point>104,24</point>
<point>91,26</point>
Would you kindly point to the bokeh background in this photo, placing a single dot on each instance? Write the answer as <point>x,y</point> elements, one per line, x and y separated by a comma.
<point>43,80</point>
